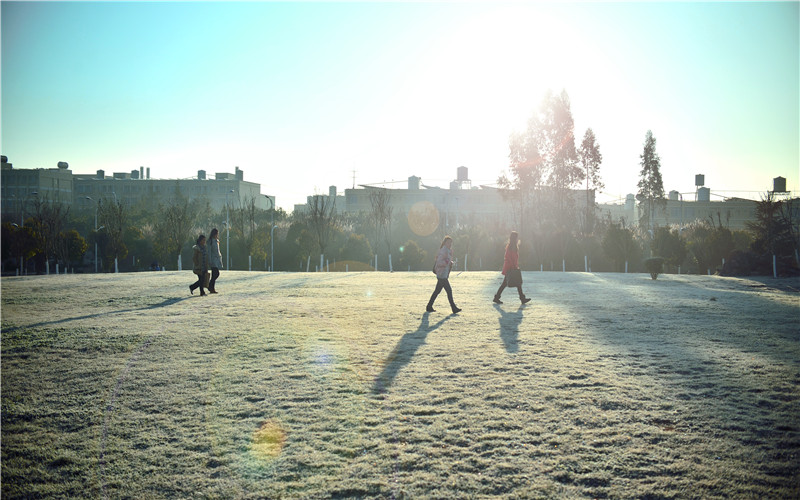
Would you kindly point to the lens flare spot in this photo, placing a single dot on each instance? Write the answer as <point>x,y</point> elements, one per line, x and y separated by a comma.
<point>368,293</point>
<point>323,360</point>
<point>268,440</point>
<point>423,218</point>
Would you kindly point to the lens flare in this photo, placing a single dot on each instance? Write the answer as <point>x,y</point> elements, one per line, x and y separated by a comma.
<point>268,440</point>
<point>423,218</point>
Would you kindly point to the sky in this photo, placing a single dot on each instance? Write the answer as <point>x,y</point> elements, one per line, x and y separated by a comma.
<point>303,96</point>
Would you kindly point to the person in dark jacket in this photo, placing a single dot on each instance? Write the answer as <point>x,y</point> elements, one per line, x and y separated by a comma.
<point>199,264</point>
<point>511,261</point>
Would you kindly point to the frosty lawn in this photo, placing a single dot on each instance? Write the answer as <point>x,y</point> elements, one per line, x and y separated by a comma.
<point>338,385</point>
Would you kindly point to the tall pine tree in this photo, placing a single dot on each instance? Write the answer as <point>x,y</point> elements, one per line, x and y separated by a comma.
<point>589,159</point>
<point>651,186</point>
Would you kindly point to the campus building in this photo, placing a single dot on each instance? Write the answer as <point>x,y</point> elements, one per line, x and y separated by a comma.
<point>136,186</point>
<point>21,187</point>
<point>731,212</point>
<point>460,204</point>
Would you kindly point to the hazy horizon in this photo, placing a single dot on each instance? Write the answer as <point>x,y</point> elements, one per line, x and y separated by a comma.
<point>384,91</point>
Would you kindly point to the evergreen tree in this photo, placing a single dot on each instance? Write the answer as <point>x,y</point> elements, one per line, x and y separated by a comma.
<point>589,159</point>
<point>651,186</point>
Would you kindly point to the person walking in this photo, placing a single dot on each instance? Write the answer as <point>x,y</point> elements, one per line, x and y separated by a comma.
<point>215,259</point>
<point>444,262</point>
<point>199,264</point>
<point>511,266</point>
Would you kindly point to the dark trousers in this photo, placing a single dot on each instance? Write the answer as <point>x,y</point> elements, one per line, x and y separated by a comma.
<point>214,276</point>
<point>503,287</point>
<point>442,283</point>
<point>199,283</point>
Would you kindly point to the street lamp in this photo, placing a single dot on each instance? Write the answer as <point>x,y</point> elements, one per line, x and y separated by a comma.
<point>228,227</point>
<point>95,245</point>
<point>20,257</point>
<point>271,234</point>
<point>95,230</point>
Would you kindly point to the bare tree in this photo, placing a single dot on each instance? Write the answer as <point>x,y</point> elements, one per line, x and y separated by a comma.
<point>322,220</point>
<point>114,215</point>
<point>790,214</point>
<point>245,225</point>
<point>49,218</point>
<point>173,227</point>
<point>380,200</point>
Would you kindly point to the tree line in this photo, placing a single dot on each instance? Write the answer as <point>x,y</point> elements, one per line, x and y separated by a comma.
<point>546,166</point>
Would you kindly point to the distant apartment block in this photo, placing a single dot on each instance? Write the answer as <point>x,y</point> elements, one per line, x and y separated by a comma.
<point>82,191</point>
<point>461,204</point>
<point>20,187</point>
<point>731,212</point>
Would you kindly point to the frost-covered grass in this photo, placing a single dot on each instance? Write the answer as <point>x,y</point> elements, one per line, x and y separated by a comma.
<point>339,385</point>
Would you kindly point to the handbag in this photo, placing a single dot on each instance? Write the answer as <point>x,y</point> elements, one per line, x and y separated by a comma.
<point>513,277</point>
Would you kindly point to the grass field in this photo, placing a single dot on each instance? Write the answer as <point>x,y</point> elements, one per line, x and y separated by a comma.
<point>336,385</point>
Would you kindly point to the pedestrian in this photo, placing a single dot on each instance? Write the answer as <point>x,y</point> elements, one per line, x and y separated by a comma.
<point>444,262</point>
<point>200,265</point>
<point>215,259</point>
<point>511,267</point>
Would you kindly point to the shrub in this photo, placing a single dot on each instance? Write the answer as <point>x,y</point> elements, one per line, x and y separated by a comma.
<point>654,266</point>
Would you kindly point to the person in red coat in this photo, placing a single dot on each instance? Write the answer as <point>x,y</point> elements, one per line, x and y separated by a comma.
<point>511,261</point>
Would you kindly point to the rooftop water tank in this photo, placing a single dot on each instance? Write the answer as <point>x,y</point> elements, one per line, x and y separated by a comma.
<point>704,194</point>
<point>674,195</point>
<point>779,185</point>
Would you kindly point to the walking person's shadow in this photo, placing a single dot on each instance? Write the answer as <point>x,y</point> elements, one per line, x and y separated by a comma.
<point>509,327</point>
<point>402,353</point>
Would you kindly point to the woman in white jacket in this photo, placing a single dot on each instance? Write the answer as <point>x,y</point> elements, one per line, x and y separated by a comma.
<point>444,262</point>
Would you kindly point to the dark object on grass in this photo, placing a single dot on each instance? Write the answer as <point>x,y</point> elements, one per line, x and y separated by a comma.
<point>654,266</point>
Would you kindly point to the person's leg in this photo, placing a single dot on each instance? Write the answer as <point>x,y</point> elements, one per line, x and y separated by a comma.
<point>439,285</point>
<point>202,282</point>
<point>214,276</point>
<point>194,285</point>
<point>449,291</point>
<point>522,297</point>
<point>503,286</point>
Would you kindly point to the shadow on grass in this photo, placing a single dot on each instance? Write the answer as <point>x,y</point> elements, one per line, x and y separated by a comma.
<point>403,352</point>
<point>509,327</point>
<point>166,302</point>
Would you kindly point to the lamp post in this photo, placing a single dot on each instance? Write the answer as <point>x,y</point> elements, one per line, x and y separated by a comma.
<point>95,245</point>
<point>228,238</point>
<point>271,234</point>
<point>20,257</point>
<point>95,230</point>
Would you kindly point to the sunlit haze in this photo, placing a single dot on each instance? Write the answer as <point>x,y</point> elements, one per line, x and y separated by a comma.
<point>302,96</point>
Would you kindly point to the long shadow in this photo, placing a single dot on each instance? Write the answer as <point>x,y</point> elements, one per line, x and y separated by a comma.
<point>509,327</point>
<point>164,303</point>
<point>402,353</point>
